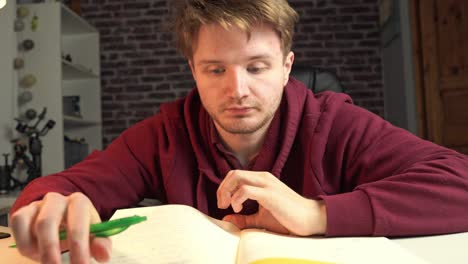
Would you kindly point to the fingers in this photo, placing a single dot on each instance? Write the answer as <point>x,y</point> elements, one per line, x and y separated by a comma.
<point>101,248</point>
<point>239,221</point>
<point>79,218</point>
<point>46,227</point>
<point>21,222</point>
<point>281,209</point>
<point>235,180</point>
<point>246,192</point>
<point>262,219</point>
<point>81,214</point>
<point>36,229</point>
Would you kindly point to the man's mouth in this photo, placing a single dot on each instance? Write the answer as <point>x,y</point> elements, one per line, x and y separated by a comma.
<point>239,110</point>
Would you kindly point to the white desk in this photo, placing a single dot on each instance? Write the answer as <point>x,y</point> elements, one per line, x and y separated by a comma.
<point>434,249</point>
<point>11,255</point>
<point>442,249</point>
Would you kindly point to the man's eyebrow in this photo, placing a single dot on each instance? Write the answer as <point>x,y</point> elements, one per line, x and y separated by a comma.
<point>251,58</point>
<point>261,57</point>
<point>209,62</point>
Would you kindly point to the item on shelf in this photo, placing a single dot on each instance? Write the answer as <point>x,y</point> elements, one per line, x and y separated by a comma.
<point>28,81</point>
<point>25,97</point>
<point>34,23</point>
<point>18,63</point>
<point>33,161</point>
<point>5,176</point>
<point>22,12</point>
<point>71,106</point>
<point>30,114</point>
<point>76,150</point>
<point>19,25</point>
<point>68,58</point>
<point>28,44</point>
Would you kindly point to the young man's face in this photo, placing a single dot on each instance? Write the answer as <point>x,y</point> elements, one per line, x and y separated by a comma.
<point>240,80</point>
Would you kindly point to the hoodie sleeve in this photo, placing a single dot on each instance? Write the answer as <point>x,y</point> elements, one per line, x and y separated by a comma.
<point>392,182</point>
<point>116,177</point>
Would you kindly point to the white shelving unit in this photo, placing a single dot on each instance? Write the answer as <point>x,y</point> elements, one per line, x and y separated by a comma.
<point>61,32</point>
<point>8,52</point>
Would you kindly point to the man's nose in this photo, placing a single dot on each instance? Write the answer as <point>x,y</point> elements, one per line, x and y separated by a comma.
<point>236,83</point>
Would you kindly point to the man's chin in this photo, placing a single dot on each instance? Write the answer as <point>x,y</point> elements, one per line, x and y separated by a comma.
<point>240,128</point>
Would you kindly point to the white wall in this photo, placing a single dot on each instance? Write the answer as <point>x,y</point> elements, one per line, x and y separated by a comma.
<point>8,52</point>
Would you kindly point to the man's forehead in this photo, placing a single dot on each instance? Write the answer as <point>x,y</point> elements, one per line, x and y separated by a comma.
<point>260,42</point>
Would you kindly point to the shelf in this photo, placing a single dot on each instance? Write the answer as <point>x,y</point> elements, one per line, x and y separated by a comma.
<point>72,71</point>
<point>61,32</point>
<point>73,121</point>
<point>74,24</point>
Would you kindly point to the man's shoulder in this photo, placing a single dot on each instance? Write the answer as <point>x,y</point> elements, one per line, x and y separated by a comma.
<point>173,108</point>
<point>328,99</point>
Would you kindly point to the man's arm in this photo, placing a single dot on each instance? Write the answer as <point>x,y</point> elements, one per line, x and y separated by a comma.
<point>117,177</point>
<point>394,184</point>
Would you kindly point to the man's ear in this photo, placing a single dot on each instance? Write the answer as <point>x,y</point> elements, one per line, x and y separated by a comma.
<point>288,63</point>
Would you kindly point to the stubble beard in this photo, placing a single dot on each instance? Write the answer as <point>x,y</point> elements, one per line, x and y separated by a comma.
<point>243,127</point>
<point>246,125</point>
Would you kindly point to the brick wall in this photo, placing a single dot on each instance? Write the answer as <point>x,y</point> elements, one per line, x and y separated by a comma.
<point>141,68</point>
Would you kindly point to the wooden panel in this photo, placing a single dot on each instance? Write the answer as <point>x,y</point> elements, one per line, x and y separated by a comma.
<point>454,82</point>
<point>455,135</point>
<point>431,70</point>
<point>455,108</point>
<point>443,38</point>
<point>455,128</point>
<point>452,27</point>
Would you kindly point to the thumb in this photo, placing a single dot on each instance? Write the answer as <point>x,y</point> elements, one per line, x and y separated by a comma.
<point>101,248</point>
<point>241,221</point>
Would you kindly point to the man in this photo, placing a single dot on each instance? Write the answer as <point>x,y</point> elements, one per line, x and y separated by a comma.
<point>254,147</point>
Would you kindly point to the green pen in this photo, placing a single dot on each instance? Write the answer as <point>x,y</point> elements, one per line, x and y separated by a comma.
<point>108,228</point>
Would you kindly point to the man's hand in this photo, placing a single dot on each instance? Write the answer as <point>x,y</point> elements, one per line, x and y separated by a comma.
<point>36,228</point>
<point>281,209</point>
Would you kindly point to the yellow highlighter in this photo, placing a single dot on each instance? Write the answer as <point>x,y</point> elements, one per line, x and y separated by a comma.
<point>287,261</point>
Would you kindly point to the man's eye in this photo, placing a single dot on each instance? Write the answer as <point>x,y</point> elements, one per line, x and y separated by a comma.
<point>218,71</point>
<point>255,70</point>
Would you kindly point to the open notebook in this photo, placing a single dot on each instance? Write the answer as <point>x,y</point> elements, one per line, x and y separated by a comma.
<point>181,234</point>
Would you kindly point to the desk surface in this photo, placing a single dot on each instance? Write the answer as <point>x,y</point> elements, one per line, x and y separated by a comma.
<point>434,249</point>
<point>11,255</point>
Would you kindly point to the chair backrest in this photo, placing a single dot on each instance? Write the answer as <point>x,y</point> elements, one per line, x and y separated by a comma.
<point>316,79</point>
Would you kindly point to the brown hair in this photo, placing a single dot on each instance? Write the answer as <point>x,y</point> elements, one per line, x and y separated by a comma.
<point>190,15</point>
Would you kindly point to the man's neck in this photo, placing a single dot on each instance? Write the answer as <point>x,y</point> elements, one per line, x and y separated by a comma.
<point>244,146</point>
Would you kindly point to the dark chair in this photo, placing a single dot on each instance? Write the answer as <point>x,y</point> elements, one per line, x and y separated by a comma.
<point>316,79</point>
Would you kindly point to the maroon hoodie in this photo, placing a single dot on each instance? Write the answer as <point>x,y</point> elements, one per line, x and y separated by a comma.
<point>375,179</point>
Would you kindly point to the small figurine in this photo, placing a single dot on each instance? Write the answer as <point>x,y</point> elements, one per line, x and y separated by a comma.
<point>19,25</point>
<point>22,12</point>
<point>34,23</point>
<point>28,44</point>
<point>28,81</point>
<point>18,63</point>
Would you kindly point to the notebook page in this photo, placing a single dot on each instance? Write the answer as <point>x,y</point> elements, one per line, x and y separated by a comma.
<point>174,234</point>
<point>257,244</point>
